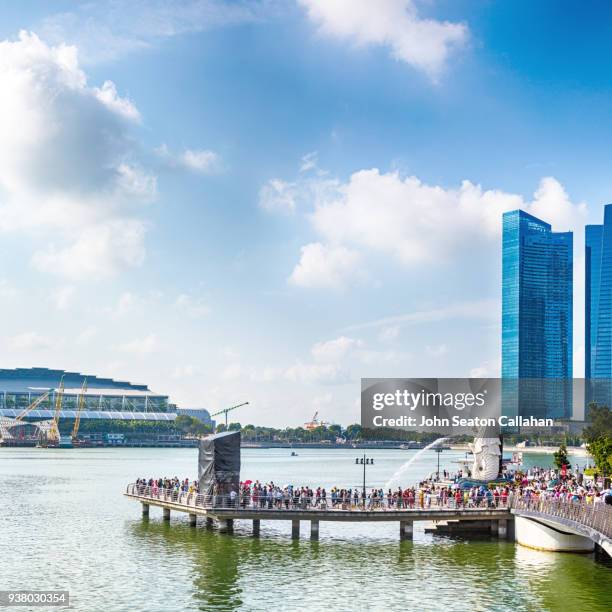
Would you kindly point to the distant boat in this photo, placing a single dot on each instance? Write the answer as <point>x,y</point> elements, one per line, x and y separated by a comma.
<point>412,445</point>
<point>294,454</point>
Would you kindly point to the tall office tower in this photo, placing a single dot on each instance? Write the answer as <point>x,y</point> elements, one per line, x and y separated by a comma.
<point>598,310</point>
<point>536,318</point>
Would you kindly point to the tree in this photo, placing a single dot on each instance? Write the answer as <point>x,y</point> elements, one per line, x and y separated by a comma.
<point>184,422</point>
<point>601,451</point>
<point>601,423</point>
<point>353,431</point>
<point>598,436</point>
<point>561,457</point>
<point>336,430</point>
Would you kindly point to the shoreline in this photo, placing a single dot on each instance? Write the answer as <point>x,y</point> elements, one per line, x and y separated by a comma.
<point>575,451</point>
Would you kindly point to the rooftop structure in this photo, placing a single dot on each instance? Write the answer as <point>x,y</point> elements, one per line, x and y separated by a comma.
<point>105,398</point>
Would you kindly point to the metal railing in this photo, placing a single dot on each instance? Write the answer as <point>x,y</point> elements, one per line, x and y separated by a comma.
<point>597,516</point>
<point>282,502</point>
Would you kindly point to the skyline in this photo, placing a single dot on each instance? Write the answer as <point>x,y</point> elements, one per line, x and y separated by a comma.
<point>266,201</point>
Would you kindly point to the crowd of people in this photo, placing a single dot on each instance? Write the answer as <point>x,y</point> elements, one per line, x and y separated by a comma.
<point>443,490</point>
<point>564,485</point>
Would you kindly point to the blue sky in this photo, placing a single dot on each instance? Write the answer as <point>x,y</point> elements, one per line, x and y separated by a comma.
<point>268,200</point>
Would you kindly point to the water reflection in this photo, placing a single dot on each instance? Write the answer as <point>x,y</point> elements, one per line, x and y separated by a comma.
<point>240,571</point>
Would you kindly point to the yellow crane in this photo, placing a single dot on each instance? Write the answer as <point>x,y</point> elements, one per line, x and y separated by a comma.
<point>226,410</point>
<point>59,398</point>
<point>80,406</point>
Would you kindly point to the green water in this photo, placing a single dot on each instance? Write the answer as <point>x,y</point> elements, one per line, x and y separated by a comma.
<point>65,525</point>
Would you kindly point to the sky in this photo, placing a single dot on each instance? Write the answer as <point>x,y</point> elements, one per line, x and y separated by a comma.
<point>265,201</point>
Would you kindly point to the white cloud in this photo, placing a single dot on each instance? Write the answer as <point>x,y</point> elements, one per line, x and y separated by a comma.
<point>334,350</point>
<point>30,341</point>
<point>325,267</point>
<point>402,217</point>
<point>487,369</point>
<point>423,43</point>
<point>62,297</point>
<point>418,223</point>
<point>141,346</point>
<point>66,162</point>
<point>108,29</point>
<point>200,161</point>
<point>477,309</point>
<point>316,373</point>
<point>479,372</point>
<point>278,196</point>
<point>193,307</point>
<point>100,251</point>
<point>107,94</point>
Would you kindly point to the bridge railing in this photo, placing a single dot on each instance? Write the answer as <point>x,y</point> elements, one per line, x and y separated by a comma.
<point>597,515</point>
<point>283,502</point>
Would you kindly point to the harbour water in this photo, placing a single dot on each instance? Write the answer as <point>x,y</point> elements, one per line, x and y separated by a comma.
<point>65,525</point>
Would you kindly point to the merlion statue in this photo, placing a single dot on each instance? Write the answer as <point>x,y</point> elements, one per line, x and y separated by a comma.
<point>486,453</point>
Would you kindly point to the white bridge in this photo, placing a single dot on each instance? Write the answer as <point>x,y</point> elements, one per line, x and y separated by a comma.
<point>552,524</point>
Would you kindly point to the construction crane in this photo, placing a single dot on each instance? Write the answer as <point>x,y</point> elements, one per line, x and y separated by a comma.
<point>37,402</point>
<point>314,422</point>
<point>80,406</point>
<point>54,433</point>
<point>226,410</point>
<point>19,419</point>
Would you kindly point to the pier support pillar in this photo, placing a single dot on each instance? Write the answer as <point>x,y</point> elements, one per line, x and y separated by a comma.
<point>145,509</point>
<point>502,529</point>
<point>225,525</point>
<point>193,519</point>
<point>256,526</point>
<point>295,529</point>
<point>209,522</point>
<point>314,529</point>
<point>166,514</point>
<point>494,527</point>
<point>406,530</point>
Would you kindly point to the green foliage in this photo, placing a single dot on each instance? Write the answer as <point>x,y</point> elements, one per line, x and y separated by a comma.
<point>601,450</point>
<point>598,436</point>
<point>353,432</point>
<point>120,426</point>
<point>601,423</point>
<point>560,457</point>
<point>191,425</point>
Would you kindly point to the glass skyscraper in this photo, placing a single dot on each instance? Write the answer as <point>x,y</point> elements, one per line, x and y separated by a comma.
<point>598,310</point>
<point>537,277</point>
